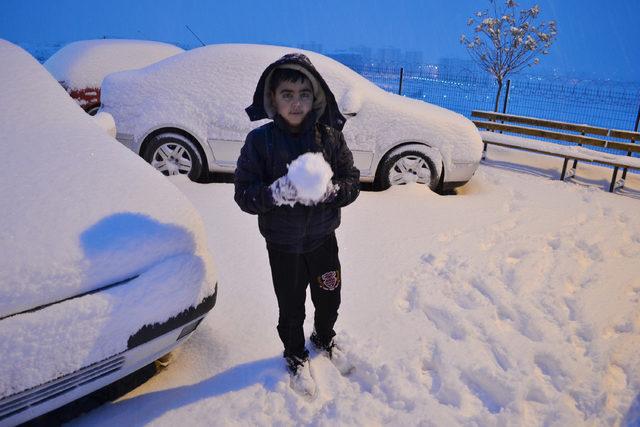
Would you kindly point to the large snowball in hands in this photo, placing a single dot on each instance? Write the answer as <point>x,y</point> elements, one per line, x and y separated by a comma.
<point>310,174</point>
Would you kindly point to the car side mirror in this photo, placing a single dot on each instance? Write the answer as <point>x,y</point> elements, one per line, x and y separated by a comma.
<point>351,103</point>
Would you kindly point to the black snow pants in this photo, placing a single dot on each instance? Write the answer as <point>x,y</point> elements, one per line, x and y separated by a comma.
<point>291,273</point>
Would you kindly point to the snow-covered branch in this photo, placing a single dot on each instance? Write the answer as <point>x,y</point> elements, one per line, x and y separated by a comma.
<point>506,39</point>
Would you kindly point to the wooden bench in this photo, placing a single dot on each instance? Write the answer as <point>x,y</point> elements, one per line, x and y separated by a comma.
<point>575,136</point>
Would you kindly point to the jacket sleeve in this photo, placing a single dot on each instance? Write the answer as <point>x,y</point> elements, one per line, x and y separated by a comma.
<point>252,193</point>
<point>346,175</point>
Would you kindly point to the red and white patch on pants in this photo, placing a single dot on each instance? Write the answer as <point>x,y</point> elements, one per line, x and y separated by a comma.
<point>330,280</point>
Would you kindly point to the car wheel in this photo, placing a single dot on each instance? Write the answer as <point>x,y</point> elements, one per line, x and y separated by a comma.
<point>406,167</point>
<point>93,110</point>
<point>174,154</point>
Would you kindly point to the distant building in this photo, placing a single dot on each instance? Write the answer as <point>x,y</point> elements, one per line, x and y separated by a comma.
<point>389,56</point>
<point>452,67</point>
<point>355,61</point>
<point>412,58</point>
<point>364,51</point>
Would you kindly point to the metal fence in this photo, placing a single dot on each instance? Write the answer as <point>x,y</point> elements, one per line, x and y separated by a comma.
<point>604,104</point>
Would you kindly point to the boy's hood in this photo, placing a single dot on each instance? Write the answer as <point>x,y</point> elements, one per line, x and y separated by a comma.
<point>325,105</point>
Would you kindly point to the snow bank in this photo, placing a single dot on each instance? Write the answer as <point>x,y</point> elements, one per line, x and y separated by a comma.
<point>83,64</point>
<point>513,303</point>
<point>310,174</point>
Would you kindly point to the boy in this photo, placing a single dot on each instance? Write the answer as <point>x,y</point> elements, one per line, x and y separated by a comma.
<point>300,237</point>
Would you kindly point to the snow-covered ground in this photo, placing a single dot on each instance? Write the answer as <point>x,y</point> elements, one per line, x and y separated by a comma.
<point>515,302</point>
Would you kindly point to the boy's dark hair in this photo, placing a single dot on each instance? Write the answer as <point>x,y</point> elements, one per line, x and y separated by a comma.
<point>280,75</point>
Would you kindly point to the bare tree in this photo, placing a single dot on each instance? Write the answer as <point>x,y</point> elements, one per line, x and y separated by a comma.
<point>506,39</point>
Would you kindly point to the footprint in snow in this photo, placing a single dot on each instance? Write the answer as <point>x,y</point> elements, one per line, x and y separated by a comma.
<point>528,326</point>
<point>493,392</point>
<point>467,300</point>
<point>592,251</point>
<point>408,300</point>
<point>446,322</point>
<point>443,393</point>
<point>516,256</point>
<point>551,367</point>
<point>481,285</point>
<point>555,243</point>
<point>501,357</point>
<point>438,262</point>
<point>536,394</point>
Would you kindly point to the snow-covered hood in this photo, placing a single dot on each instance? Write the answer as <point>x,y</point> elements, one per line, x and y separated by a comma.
<point>83,64</point>
<point>79,210</point>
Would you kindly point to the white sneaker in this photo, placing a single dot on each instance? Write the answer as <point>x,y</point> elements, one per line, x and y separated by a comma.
<point>335,353</point>
<point>340,360</point>
<point>302,381</point>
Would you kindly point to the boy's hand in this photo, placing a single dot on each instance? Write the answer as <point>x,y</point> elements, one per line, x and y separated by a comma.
<point>283,191</point>
<point>331,193</point>
<point>329,196</point>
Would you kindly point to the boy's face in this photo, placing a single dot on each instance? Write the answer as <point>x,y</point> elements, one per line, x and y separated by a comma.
<point>293,101</point>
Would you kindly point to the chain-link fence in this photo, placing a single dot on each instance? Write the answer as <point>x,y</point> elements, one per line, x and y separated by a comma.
<point>604,104</point>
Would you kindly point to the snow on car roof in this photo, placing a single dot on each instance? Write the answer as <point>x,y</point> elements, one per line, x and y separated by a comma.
<point>80,211</point>
<point>83,64</point>
<point>211,83</point>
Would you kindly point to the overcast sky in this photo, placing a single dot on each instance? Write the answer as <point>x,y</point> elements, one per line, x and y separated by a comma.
<point>596,38</point>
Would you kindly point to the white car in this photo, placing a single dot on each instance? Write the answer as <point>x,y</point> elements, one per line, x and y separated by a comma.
<point>185,115</point>
<point>80,66</point>
<point>104,264</point>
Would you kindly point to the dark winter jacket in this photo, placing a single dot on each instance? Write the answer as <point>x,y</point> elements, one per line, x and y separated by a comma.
<point>264,158</point>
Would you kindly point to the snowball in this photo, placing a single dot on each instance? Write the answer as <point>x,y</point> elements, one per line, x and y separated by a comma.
<point>310,174</point>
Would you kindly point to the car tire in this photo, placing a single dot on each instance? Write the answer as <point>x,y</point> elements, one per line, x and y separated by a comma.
<point>174,154</point>
<point>93,110</point>
<point>408,166</point>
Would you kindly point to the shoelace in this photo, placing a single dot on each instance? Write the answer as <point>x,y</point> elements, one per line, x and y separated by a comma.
<point>295,363</point>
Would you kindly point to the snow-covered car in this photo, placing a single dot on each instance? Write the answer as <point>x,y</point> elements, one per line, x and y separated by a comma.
<point>80,66</point>
<point>104,264</point>
<point>185,115</point>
